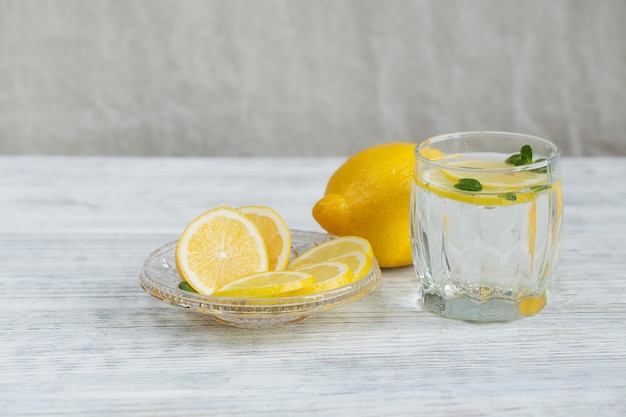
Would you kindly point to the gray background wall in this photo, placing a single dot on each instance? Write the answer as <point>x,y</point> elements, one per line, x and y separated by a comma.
<point>303,78</point>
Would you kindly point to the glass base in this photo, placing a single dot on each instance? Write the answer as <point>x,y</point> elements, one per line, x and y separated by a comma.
<point>493,309</point>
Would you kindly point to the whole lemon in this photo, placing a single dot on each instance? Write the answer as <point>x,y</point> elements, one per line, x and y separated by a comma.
<point>369,196</point>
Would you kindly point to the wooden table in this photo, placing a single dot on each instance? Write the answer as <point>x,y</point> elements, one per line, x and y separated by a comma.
<point>80,337</point>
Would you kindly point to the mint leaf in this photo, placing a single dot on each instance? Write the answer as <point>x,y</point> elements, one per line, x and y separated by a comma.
<point>508,196</point>
<point>185,287</point>
<point>468,184</point>
<point>527,154</point>
<point>513,159</point>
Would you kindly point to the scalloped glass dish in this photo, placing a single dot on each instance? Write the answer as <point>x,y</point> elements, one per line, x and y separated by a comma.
<point>160,279</point>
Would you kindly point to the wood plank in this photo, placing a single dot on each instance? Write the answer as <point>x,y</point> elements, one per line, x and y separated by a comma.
<point>80,337</point>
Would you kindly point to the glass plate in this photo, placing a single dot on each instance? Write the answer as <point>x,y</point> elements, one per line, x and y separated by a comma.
<point>160,279</point>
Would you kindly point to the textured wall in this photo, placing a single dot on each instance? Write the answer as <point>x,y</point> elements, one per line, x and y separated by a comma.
<point>318,77</point>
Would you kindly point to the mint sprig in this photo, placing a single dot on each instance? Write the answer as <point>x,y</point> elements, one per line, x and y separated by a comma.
<point>468,184</point>
<point>525,157</point>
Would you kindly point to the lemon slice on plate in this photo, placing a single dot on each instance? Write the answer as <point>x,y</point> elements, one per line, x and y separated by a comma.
<point>218,247</point>
<point>359,262</point>
<point>266,284</point>
<point>331,249</point>
<point>275,233</point>
<point>328,276</point>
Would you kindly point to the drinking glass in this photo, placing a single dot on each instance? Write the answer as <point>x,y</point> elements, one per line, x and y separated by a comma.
<point>486,215</point>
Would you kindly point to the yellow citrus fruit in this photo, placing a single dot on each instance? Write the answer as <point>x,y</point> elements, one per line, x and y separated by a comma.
<point>358,261</point>
<point>369,196</point>
<point>328,276</point>
<point>331,249</point>
<point>266,284</point>
<point>275,233</point>
<point>218,247</point>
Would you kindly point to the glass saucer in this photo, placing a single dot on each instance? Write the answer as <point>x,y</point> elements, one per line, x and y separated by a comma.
<point>160,279</point>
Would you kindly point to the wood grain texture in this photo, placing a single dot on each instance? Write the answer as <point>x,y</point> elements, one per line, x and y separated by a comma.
<point>80,337</point>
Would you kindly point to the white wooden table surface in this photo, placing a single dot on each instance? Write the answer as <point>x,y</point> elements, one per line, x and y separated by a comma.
<point>80,337</point>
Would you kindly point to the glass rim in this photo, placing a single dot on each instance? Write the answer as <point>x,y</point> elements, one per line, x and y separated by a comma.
<point>555,155</point>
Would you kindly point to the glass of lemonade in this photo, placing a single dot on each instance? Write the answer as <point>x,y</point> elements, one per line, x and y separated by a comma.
<point>486,224</point>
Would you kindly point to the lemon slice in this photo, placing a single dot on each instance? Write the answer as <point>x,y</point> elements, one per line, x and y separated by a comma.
<point>499,189</point>
<point>266,284</point>
<point>218,247</point>
<point>332,249</point>
<point>328,276</point>
<point>359,262</point>
<point>506,180</point>
<point>437,182</point>
<point>275,233</point>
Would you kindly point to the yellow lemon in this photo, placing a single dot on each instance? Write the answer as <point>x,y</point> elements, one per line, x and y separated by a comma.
<point>218,247</point>
<point>266,284</point>
<point>275,233</point>
<point>369,196</point>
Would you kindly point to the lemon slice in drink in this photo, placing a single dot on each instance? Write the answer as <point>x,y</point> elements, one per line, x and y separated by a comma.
<point>496,191</point>
<point>275,233</point>
<point>328,276</point>
<point>266,284</point>
<point>218,247</point>
<point>486,172</point>
<point>332,249</point>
